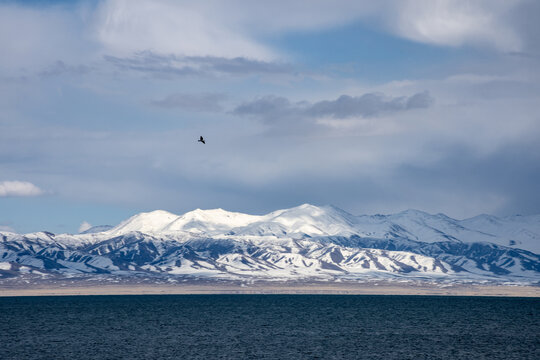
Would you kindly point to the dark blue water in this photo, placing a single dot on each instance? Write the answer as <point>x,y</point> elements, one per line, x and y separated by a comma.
<point>269,327</point>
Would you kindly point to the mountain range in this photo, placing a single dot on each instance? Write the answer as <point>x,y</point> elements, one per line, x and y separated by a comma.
<point>301,243</point>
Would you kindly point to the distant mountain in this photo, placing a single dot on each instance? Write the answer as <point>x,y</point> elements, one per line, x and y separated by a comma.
<point>306,242</point>
<point>97,229</point>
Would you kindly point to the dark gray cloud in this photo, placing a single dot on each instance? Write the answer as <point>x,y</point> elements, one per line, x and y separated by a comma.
<point>368,105</point>
<point>269,107</point>
<point>60,68</point>
<point>210,102</point>
<point>461,184</point>
<point>161,65</point>
<point>152,64</point>
<point>524,17</point>
<point>510,174</point>
<point>504,89</point>
<point>239,65</point>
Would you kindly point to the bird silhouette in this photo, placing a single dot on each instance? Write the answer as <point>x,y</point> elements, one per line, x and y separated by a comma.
<point>201,140</point>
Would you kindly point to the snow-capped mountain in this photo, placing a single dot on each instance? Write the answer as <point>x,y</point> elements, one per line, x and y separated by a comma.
<point>305,242</point>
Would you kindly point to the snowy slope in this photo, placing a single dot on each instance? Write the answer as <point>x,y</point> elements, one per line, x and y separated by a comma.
<point>209,221</point>
<point>516,231</point>
<point>154,221</point>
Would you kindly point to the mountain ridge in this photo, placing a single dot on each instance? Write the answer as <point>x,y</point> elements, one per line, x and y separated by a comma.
<point>311,212</point>
<point>302,242</point>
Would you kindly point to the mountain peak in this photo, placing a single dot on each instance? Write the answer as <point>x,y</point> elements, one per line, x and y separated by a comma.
<point>212,219</point>
<point>329,220</point>
<point>146,222</point>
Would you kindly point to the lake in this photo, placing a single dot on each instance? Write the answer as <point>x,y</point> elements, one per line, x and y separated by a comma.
<point>269,327</point>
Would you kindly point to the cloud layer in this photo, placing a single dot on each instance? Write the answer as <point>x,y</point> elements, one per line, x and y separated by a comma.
<point>428,104</point>
<point>216,31</point>
<point>19,188</point>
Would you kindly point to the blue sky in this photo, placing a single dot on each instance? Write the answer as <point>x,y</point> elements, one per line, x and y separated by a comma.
<point>374,107</point>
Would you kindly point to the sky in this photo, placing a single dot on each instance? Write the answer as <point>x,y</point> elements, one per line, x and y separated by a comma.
<point>373,107</point>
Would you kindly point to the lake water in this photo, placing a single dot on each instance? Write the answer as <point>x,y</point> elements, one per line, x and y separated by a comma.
<point>269,327</point>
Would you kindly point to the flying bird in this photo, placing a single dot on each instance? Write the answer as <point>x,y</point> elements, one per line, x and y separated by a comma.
<point>201,140</point>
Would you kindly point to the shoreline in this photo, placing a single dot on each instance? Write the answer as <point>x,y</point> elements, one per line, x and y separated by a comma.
<point>275,288</point>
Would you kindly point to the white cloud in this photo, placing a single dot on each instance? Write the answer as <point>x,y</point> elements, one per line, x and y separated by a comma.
<point>172,27</point>
<point>455,22</point>
<point>85,225</point>
<point>19,188</point>
<point>83,34</point>
<point>232,28</point>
